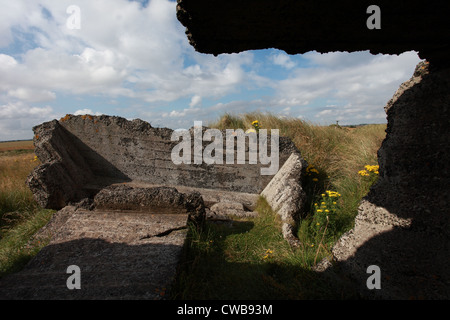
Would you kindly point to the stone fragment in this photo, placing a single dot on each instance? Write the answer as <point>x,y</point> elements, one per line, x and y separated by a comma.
<point>152,200</point>
<point>285,194</point>
<point>228,210</point>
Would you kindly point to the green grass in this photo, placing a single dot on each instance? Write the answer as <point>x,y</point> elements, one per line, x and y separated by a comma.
<point>249,259</point>
<point>16,244</point>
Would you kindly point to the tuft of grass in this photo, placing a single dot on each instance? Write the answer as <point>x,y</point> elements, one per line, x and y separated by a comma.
<point>16,244</point>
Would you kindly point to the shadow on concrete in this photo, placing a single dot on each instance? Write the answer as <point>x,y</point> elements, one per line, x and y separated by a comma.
<point>413,185</point>
<point>80,173</point>
<point>103,171</point>
<point>107,271</point>
<point>412,265</point>
<point>413,259</point>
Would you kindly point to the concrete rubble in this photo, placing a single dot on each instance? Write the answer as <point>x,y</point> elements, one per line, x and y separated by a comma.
<point>124,206</point>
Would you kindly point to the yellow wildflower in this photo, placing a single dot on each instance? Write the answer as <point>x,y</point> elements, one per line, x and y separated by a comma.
<point>363,173</point>
<point>372,168</point>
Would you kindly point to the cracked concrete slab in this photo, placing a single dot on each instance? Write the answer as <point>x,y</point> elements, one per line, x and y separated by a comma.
<point>121,255</point>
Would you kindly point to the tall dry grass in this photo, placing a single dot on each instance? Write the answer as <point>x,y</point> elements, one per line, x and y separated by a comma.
<point>333,149</point>
<point>15,197</point>
<point>20,215</point>
<point>337,152</point>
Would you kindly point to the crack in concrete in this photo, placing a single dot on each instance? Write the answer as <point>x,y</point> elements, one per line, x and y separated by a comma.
<point>163,234</point>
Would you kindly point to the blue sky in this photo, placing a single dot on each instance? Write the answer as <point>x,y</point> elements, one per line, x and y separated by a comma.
<point>132,59</point>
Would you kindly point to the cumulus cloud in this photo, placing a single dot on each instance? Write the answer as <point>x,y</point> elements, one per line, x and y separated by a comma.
<point>195,101</point>
<point>352,92</point>
<point>283,60</point>
<point>360,83</point>
<point>31,95</point>
<point>122,49</point>
<point>17,119</point>
<point>86,111</point>
<point>127,50</point>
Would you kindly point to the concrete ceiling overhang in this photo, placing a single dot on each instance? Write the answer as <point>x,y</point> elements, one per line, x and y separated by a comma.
<point>299,26</point>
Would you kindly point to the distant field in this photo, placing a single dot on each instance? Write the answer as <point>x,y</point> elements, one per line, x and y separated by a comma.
<point>16,145</point>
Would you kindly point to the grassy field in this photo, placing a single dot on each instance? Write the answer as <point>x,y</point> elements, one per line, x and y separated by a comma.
<point>16,145</point>
<point>246,259</point>
<point>20,216</point>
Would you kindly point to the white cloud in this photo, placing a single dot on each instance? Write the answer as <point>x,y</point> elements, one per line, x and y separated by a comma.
<point>31,95</point>
<point>17,120</point>
<point>283,60</point>
<point>195,101</point>
<point>361,80</point>
<point>123,50</point>
<point>7,62</point>
<point>86,111</point>
<point>22,110</point>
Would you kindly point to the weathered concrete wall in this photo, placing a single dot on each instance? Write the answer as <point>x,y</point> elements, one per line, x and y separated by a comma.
<point>83,154</point>
<point>403,224</point>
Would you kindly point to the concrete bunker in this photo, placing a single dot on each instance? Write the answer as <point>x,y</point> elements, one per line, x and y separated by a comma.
<point>124,205</point>
<point>402,225</point>
<point>114,163</point>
